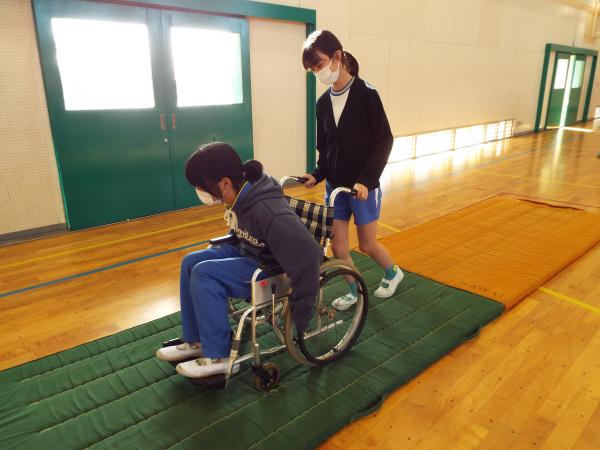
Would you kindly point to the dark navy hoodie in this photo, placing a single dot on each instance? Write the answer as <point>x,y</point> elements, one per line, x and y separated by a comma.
<point>269,230</point>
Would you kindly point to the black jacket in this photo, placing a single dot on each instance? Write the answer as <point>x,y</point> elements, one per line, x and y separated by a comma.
<point>269,230</point>
<point>357,150</point>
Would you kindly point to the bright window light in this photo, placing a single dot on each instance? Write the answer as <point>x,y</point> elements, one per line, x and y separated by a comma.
<point>208,66</point>
<point>560,78</point>
<point>597,112</point>
<point>404,148</point>
<point>582,130</point>
<point>103,65</point>
<point>565,105</point>
<point>436,142</point>
<point>465,137</point>
<point>578,74</point>
<point>492,132</point>
<point>508,129</point>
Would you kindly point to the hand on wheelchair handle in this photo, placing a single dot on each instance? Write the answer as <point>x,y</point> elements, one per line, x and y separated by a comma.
<point>360,191</point>
<point>299,179</point>
<point>307,180</point>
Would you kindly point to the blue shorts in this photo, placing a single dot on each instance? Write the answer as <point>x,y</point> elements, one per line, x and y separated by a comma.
<point>364,211</point>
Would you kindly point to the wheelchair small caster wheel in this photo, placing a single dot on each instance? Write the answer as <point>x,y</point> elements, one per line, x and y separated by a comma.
<point>267,377</point>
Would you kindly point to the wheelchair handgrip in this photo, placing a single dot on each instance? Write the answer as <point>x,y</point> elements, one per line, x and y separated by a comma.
<point>297,179</point>
<point>352,192</point>
<point>339,190</point>
<point>300,180</point>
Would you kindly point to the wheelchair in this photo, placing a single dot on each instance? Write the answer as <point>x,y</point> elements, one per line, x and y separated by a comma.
<point>331,332</point>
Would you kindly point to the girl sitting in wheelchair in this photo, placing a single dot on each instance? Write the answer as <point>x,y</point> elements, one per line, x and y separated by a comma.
<point>267,230</point>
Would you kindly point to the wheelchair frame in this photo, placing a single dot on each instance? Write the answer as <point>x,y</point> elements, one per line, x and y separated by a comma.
<point>267,295</point>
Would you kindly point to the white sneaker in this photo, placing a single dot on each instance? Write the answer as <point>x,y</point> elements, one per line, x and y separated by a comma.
<point>205,367</point>
<point>387,288</point>
<point>344,302</point>
<point>179,352</point>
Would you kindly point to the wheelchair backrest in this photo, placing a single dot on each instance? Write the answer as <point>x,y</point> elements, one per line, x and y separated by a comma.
<point>317,218</point>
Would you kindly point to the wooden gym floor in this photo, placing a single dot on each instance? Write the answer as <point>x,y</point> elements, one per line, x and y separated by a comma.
<point>530,380</point>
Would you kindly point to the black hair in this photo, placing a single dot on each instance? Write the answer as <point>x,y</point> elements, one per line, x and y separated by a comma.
<point>326,42</point>
<point>210,163</point>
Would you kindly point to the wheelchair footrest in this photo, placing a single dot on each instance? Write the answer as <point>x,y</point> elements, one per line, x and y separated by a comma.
<point>213,382</point>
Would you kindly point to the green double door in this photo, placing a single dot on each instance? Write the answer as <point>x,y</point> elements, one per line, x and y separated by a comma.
<point>132,91</point>
<point>565,94</point>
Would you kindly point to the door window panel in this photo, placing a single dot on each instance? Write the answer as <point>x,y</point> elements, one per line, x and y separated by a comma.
<point>207,65</point>
<point>578,74</point>
<point>103,64</point>
<point>561,73</point>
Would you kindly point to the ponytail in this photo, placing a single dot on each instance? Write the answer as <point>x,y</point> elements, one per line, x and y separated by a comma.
<point>350,63</point>
<point>252,170</point>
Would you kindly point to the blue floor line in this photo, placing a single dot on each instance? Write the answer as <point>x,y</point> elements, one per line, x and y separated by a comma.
<point>101,269</point>
<point>154,255</point>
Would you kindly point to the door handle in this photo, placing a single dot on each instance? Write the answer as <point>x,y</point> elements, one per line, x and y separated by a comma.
<point>173,121</point>
<point>162,121</point>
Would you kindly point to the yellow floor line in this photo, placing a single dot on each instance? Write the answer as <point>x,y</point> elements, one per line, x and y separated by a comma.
<point>569,299</point>
<point>104,244</point>
<point>533,178</point>
<point>389,227</point>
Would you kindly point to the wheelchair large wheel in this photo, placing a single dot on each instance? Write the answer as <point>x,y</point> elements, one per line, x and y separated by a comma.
<point>333,331</point>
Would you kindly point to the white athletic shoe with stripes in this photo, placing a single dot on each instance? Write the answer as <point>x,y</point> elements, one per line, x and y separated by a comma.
<point>387,288</point>
<point>205,367</point>
<point>180,352</point>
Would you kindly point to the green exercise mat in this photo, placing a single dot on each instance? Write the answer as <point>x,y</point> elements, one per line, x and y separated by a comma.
<point>114,393</point>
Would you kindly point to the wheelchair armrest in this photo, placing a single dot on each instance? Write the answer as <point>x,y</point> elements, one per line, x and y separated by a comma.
<point>274,265</point>
<point>222,240</point>
<point>272,268</point>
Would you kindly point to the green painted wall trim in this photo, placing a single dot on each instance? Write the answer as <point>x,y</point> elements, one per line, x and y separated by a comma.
<point>231,7</point>
<point>575,51</point>
<point>41,9</point>
<point>588,94</point>
<point>311,94</point>
<point>572,50</point>
<point>538,115</point>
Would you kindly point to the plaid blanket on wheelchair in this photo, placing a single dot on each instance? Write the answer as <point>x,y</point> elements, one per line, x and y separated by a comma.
<point>317,218</point>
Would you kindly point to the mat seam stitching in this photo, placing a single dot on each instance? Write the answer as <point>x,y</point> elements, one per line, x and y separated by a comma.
<point>102,376</point>
<point>94,356</point>
<point>282,385</point>
<point>362,376</point>
<point>167,377</point>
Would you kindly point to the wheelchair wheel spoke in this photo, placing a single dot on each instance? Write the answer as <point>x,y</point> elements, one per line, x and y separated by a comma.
<point>335,330</point>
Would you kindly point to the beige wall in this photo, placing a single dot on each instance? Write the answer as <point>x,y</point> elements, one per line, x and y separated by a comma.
<point>445,63</point>
<point>29,188</point>
<point>278,96</point>
<point>436,64</point>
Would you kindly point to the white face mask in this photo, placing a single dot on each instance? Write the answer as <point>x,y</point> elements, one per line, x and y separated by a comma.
<point>326,76</point>
<point>206,198</point>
